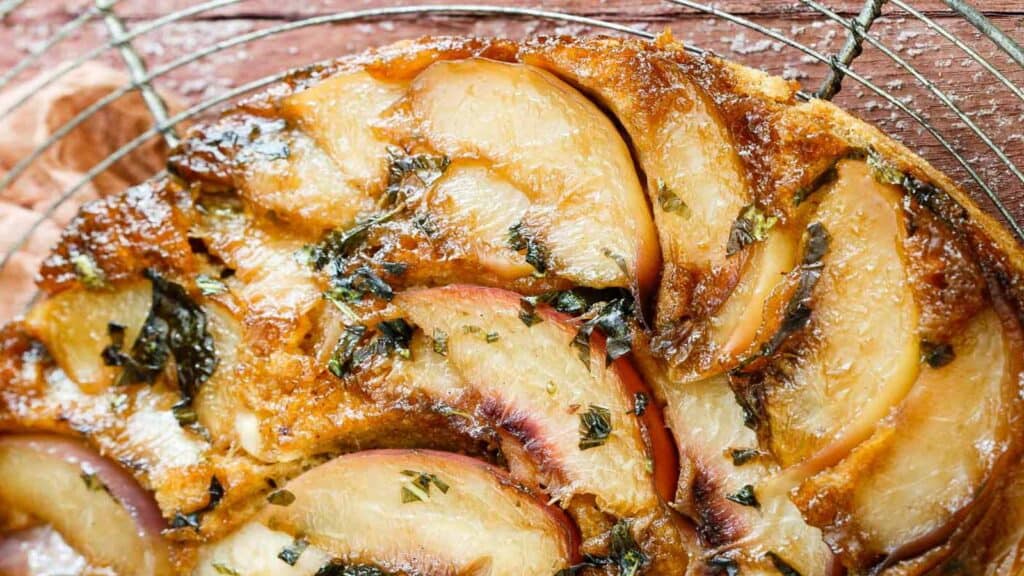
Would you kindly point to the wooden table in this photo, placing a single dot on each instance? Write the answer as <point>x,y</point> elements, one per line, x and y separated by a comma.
<point>991,105</point>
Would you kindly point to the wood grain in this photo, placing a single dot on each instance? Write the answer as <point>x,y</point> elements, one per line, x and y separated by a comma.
<point>990,104</point>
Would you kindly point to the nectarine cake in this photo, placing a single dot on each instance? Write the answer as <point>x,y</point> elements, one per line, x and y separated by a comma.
<point>555,307</point>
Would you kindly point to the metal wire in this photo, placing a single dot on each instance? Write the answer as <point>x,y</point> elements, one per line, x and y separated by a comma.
<point>120,39</point>
<point>889,97</point>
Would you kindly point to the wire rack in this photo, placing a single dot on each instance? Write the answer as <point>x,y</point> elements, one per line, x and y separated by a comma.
<point>1000,70</point>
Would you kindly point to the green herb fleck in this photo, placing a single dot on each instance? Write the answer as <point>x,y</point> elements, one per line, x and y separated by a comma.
<point>395,268</point>
<point>88,272</point>
<point>210,286</point>
<point>185,414</point>
<point>338,568</point>
<point>175,326</point>
<point>338,245</point>
<point>613,319</point>
<point>418,489</point>
<point>669,201</point>
<point>407,171</point>
<point>521,239</point>
<point>741,456</point>
<point>595,427</point>
<point>281,498</point>
<point>440,339</point>
<point>353,287</point>
<point>745,496</point>
<point>883,170</point>
<point>343,357</point>
<point>751,226</point>
<point>723,565</point>
<point>640,402</point>
<point>290,554</point>
<point>936,354</point>
<point>528,311</point>
<point>92,481</point>
<point>781,565</point>
<point>624,550</point>
<point>225,569</point>
<point>491,337</point>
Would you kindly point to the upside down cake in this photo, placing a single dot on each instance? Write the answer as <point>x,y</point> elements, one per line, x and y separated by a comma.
<point>555,307</point>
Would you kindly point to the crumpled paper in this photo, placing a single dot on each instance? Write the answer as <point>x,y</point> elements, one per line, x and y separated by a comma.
<point>64,165</point>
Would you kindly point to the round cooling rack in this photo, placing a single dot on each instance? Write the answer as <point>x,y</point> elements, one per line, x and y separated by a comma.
<point>946,78</point>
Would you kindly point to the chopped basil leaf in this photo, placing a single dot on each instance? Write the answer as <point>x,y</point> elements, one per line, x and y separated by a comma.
<point>751,226</point>
<point>185,414</point>
<point>405,171</point>
<point>741,456</point>
<point>418,489</point>
<point>624,550</point>
<point>93,482</point>
<point>883,170</point>
<point>445,410</point>
<point>745,496</point>
<point>88,272</point>
<point>640,401</point>
<point>343,357</point>
<point>440,339</point>
<point>337,245</point>
<point>337,568</point>
<point>613,319</point>
<point>669,201</point>
<point>210,286</point>
<point>216,491</point>
<point>352,287</point>
<point>413,494</point>
<point>936,354</point>
<point>186,520</point>
<point>425,223</point>
<point>521,239</point>
<point>569,302</point>
<point>395,268</point>
<point>290,554</point>
<point>225,569</point>
<point>281,498</point>
<point>527,311</point>
<point>595,427</point>
<point>175,326</point>
<point>781,565</point>
<point>723,565</point>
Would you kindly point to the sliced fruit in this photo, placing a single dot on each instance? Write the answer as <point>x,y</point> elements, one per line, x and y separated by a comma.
<point>857,356</point>
<point>532,382</point>
<point>735,325</point>
<point>39,550</point>
<point>97,507</point>
<point>73,325</point>
<point>905,489</point>
<point>696,181</point>
<point>254,550</point>
<point>409,511</point>
<point>300,183</point>
<point>721,457</point>
<point>554,145</point>
<point>338,114</point>
<point>276,289</point>
<point>481,207</point>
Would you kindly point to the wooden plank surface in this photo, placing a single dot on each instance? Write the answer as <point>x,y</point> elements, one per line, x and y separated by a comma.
<point>991,105</point>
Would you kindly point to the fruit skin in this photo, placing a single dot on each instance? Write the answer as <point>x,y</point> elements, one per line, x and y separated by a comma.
<point>481,305</point>
<point>375,519</point>
<point>98,508</point>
